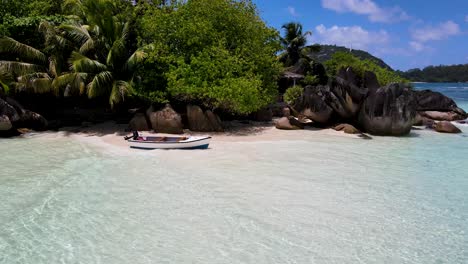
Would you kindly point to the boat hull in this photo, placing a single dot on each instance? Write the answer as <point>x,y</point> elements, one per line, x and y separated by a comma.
<point>191,143</point>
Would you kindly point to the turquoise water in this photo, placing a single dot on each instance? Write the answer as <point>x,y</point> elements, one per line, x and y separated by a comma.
<point>311,199</point>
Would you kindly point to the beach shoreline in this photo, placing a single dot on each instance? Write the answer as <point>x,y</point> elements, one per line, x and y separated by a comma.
<point>112,134</point>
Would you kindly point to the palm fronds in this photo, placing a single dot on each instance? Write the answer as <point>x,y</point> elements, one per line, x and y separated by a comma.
<point>81,63</point>
<point>24,52</point>
<point>119,90</point>
<point>101,84</point>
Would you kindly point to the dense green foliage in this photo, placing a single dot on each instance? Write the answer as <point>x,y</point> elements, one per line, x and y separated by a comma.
<point>326,52</point>
<point>217,52</point>
<point>104,58</point>
<point>292,93</point>
<point>21,19</point>
<point>344,59</point>
<point>89,55</point>
<point>442,73</point>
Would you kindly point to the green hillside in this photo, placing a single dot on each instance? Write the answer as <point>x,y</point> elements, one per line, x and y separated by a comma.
<point>326,52</point>
<point>442,73</point>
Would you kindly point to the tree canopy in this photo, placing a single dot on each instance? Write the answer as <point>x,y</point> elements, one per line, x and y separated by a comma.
<point>441,73</point>
<point>218,52</point>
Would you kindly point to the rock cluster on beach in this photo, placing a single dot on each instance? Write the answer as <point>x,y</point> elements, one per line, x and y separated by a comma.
<point>167,120</point>
<point>14,118</point>
<point>349,103</point>
<point>390,110</point>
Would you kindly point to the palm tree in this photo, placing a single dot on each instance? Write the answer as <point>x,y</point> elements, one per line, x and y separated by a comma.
<point>294,41</point>
<point>25,68</point>
<point>90,55</point>
<point>103,62</point>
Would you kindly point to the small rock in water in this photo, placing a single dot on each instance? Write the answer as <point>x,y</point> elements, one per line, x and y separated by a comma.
<point>446,127</point>
<point>347,128</point>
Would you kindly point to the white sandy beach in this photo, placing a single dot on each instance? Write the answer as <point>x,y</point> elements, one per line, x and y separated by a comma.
<point>112,134</point>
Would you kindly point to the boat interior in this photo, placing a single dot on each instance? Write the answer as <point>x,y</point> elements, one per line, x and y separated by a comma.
<point>163,139</point>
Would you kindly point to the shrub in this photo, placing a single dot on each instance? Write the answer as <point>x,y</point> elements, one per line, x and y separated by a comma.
<point>292,94</point>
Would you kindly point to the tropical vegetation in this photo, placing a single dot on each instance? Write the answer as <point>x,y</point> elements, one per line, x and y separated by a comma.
<point>441,73</point>
<point>215,53</point>
<point>292,93</point>
<point>345,59</point>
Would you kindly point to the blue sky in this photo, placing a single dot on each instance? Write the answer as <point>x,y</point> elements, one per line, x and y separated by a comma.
<point>404,33</point>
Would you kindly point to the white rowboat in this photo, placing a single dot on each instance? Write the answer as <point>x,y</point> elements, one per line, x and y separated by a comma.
<point>169,142</point>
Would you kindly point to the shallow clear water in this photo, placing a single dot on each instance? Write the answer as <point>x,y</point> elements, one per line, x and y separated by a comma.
<point>315,200</point>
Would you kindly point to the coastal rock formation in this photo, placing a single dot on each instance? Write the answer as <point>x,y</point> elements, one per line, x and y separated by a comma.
<point>166,120</point>
<point>446,127</point>
<point>312,104</point>
<point>5,123</point>
<point>428,100</point>
<point>420,120</point>
<point>202,122</point>
<point>348,75</point>
<point>370,81</point>
<point>139,123</point>
<point>347,128</point>
<point>389,111</point>
<point>345,97</point>
<point>31,120</point>
<point>289,123</point>
<point>442,116</point>
<point>13,117</point>
<point>215,121</point>
<point>9,111</point>
<point>263,115</point>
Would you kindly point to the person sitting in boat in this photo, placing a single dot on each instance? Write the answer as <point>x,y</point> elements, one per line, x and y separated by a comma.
<point>136,136</point>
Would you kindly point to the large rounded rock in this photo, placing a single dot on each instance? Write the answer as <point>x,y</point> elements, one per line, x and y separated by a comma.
<point>17,106</point>
<point>284,123</point>
<point>312,104</point>
<point>446,127</point>
<point>434,101</point>
<point>9,111</point>
<point>345,98</point>
<point>166,120</point>
<point>215,121</point>
<point>390,111</point>
<point>203,121</point>
<point>347,128</point>
<point>349,76</point>
<point>442,116</point>
<point>31,120</point>
<point>197,119</point>
<point>139,123</point>
<point>370,81</point>
<point>5,123</point>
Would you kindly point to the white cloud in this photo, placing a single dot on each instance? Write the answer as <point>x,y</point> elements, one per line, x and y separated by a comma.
<point>417,46</point>
<point>352,37</point>
<point>292,11</point>
<point>439,32</point>
<point>374,12</point>
<point>466,19</point>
